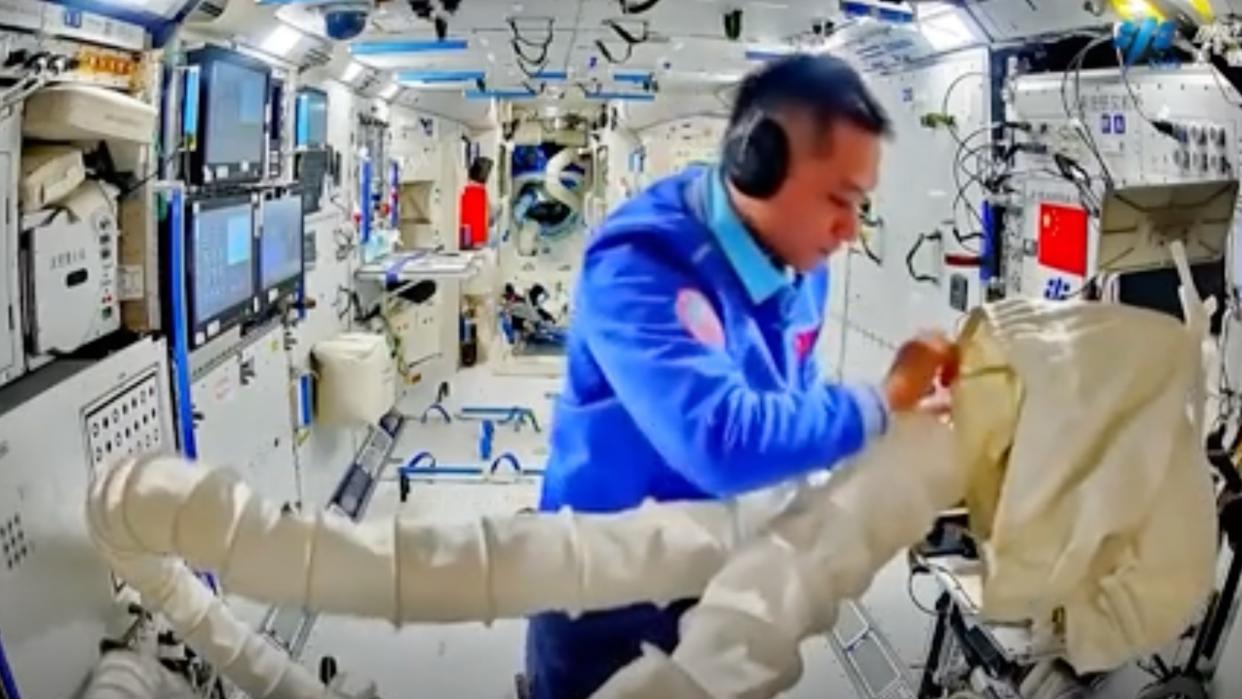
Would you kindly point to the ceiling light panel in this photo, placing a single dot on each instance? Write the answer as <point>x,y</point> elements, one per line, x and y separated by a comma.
<point>399,46</point>
<point>281,40</point>
<point>352,71</point>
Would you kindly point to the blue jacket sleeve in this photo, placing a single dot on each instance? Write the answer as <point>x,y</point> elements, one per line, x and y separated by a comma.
<point>692,401</point>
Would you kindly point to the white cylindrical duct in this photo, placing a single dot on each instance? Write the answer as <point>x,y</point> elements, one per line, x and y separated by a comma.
<point>555,171</point>
<point>128,675</point>
<point>741,641</point>
<point>148,514</point>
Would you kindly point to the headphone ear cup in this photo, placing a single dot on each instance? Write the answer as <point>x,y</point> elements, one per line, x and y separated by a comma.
<point>757,158</point>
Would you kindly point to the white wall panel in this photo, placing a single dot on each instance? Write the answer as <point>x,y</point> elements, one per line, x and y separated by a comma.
<point>881,304</point>
<point>56,595</point>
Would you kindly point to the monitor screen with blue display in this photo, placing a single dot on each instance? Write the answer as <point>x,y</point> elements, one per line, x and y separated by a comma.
<point>280,248</point>
<point>311,120</point>
<point>235,121</point>
<point>223,260</point>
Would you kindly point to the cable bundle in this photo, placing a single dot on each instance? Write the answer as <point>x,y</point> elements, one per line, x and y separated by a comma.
<point>531,54</point>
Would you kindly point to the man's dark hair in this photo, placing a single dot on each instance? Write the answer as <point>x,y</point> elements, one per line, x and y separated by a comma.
<point>480,169</point>
<point>823,85</point>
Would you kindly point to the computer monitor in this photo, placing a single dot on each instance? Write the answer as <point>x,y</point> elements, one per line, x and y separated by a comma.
<point>280,246</point>
<point>312,168</point>
<point>220,265</point>
<point>311,129</point>
<point>232,125</point>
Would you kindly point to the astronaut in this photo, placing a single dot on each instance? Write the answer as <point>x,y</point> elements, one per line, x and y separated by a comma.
<point>691,368</point>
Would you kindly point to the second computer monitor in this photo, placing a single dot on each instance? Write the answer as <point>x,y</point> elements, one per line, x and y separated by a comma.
<point>221,265</point>
<point>280,247</point>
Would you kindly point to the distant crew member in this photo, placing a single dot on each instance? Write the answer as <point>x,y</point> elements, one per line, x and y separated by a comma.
<point>472,205</point>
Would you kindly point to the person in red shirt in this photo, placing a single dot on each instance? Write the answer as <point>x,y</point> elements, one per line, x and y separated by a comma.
<point>472,206</point>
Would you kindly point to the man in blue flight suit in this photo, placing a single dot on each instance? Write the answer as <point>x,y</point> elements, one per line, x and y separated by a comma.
<point>691,372</point>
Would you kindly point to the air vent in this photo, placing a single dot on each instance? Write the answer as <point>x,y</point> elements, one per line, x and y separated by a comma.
<point>316,57</point>
<point>208,11</point>
<point>126,425</point>
<point>15,546</point>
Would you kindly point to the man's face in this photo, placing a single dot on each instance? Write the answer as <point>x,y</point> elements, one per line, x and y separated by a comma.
<point>815,212</point>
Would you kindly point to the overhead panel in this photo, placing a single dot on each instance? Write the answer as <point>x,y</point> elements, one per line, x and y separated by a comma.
<point>1014,19</point>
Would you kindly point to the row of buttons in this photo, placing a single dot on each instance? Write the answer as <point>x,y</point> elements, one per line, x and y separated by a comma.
<point>1203,162</point>
<point>1200,135</point>
<point>13,542</point>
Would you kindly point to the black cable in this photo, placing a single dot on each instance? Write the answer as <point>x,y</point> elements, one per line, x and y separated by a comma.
<point>914,249</point>
<point>962,239</point>
<point>626,36</point>
<point>520,44</point>
<point>1125,79</point>
<point>1084,130</point>
<point>638,8</point>
<point>153,174</point>
<point>958,167</point>
<point>862,241</point>
<point>1224,94</point>
<point>521,38</point>
<point>520,53</point>
<point>1073,172</point>
<point>944,103</point>
<point>608,55</point>
<point>1089,284</point>
<point>957,234</point>
<point>531,71</point>
<point>962,152</point>
<point>915,600</point>
<point>975,154</point>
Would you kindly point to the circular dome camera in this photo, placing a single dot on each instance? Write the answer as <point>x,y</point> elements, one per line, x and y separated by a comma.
<point>345,20</point>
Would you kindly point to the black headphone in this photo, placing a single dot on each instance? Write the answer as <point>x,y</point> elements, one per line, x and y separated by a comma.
<point>756,156</point>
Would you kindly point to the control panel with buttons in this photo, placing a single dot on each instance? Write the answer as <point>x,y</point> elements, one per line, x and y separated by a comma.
<point>130,424</point>
<point>1149,127</point>
<point>1101,129</point>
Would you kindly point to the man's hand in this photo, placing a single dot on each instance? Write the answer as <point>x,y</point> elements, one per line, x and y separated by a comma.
<point>923,363</point>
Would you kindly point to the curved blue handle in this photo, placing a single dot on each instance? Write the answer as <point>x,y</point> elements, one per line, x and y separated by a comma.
<point>507,457</point>
<point>417,459</point>
<point>437,408</point>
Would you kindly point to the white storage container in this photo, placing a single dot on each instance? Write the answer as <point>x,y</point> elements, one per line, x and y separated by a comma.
<point>73,112</point>
<point>49,173</point>
<point>357,379</point>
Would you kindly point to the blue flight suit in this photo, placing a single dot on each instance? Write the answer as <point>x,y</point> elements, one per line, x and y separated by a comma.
<point>691,375</point>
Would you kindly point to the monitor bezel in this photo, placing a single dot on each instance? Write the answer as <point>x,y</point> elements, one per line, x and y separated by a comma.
<point>201,330</point>
<point>201,171</point>
<point>297,115</point>
<point>285,287</point>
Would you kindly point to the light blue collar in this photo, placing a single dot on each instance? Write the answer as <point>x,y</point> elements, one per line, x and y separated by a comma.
<point>759,274</point>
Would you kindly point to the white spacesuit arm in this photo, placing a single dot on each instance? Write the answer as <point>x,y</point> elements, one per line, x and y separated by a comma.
<point>128,675</point>
<point>742,640</point>
<point>148,515</point>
